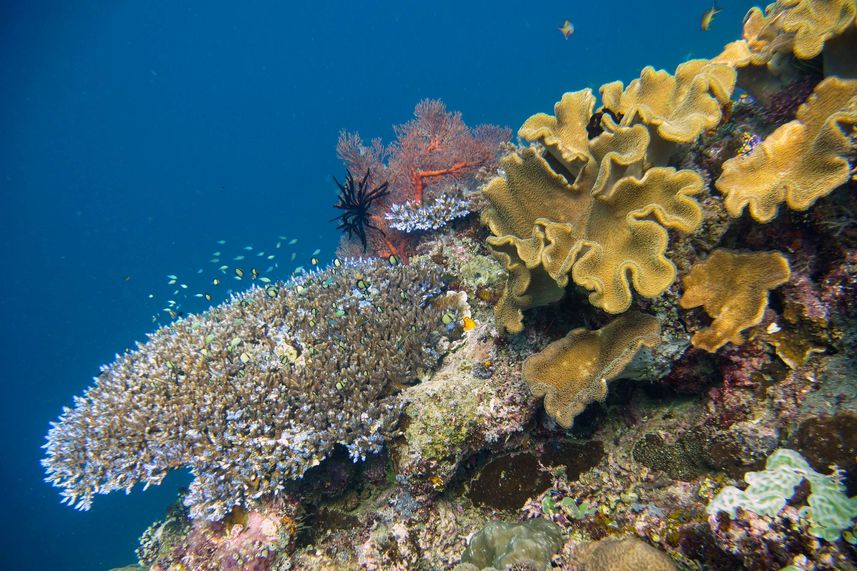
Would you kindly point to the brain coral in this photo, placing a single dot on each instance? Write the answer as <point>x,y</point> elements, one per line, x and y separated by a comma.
<point>573,371</point>
<point>255,391</point>
<point>597,208</point>
<point>799,162</point>
<point>733,288</point>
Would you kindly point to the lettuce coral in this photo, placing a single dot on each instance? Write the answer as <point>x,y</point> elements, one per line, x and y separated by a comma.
<point>256,391</point>
<point>828,509</point>
<point>598,208</point>
<point>573,371</point>
<point>799,162</point>
<point>733,288</point>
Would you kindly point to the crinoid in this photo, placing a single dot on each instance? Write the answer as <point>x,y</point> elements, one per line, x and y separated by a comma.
<point>355,199</point>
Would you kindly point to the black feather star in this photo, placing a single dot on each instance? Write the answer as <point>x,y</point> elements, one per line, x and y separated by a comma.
<point>356,199</point>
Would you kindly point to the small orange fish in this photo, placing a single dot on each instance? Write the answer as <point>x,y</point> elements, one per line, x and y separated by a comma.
<point>567,29</point>
<point>708,17</point>
<point>468,324</point>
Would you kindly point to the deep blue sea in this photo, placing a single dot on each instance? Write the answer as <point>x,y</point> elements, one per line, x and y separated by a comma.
<point>136,135</point>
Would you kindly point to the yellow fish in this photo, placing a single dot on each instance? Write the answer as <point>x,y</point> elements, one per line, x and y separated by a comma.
<point>567,29</point>
<point>708,17</point>
<point>468,324</point>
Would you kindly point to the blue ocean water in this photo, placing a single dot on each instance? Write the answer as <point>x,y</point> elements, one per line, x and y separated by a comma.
<point>137,135</point>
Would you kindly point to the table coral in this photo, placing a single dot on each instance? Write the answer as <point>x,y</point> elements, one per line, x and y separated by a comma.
<point>799,162</point>
<point>573,371</point>
<point>257,390</point>
<point>733,288</point>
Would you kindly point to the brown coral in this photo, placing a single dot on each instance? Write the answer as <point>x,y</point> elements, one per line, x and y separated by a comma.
<point>733,288</point>
<point>779,42</point>
<point>622,554</point>
<point>679,107</point>
<point>573,371</point>
<point>598,208</point>
<point>801,161</point>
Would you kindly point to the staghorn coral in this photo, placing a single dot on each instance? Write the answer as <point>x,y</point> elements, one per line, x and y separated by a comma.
<point>598,209</point>
<point>733,288</point>
<point>801,161</point>
<point>255,391</point>
<point>573,371</point>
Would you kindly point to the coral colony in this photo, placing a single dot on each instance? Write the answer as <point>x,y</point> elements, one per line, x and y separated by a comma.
<point>655,306</point>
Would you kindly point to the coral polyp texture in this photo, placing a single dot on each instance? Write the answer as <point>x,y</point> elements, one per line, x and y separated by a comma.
<point>598,207</point>
<point>799,162</point>
<point>733,288</point>
<point>573,371</point>
<point>255,391</point>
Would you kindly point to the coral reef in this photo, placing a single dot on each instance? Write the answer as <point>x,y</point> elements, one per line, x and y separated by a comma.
<point>432,151</point>
<point>801,161</point>
<point>574,371</point>
<point>720,354</point>
<point>254,392</point>
<point>829,511</point>
<point>733,288</point>
<point>252,540</point>
<point>506,546</point>
<point>621,554</point>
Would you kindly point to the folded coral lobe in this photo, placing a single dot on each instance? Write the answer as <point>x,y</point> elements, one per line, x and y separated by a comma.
<point>255,391</point>
<point>573,371</point>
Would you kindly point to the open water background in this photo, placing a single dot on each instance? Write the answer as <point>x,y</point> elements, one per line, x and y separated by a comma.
<point>134,135</point>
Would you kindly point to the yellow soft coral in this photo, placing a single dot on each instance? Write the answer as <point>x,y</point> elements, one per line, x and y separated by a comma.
<point>733,288</point>
<point>799,162</point>
<point>802,28</point>
<point>573,371</point>
<point>679,107</point>
<point>597,209</point>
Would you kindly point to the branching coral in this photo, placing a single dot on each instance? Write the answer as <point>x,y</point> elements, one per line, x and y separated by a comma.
<point>255,391</point>
<point>573,371</point>
<point>416,217</point>
<point>801,161</point>
<point>598,208</point>
<point>733,288</point>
